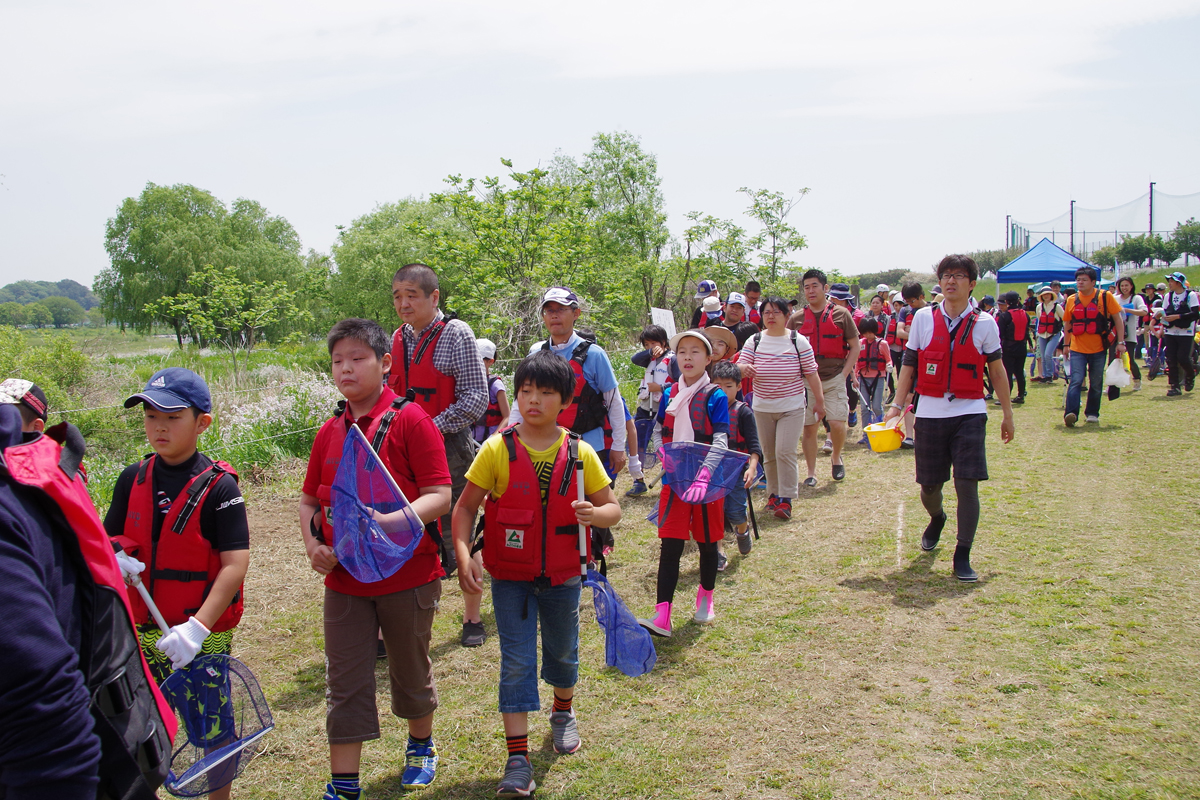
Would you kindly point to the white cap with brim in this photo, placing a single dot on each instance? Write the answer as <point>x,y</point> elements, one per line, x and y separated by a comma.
<point>486,348</point>
<point>694,333</point>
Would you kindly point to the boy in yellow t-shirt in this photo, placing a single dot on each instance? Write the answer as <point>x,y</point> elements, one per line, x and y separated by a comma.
<point>527,477</point>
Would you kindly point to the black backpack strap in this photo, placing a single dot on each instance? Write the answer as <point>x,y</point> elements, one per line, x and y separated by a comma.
<point>424,345</point>
<point>196,492</point>
<point>580,354</point>
<point>341,408</point>
<point>144,466</point>
<point>509,437</point>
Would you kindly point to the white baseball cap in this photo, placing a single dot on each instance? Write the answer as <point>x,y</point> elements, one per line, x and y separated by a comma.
<point>486,348</point>
<point>883,287</point>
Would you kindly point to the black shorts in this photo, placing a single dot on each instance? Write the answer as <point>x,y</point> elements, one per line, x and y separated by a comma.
<point>957,441</point>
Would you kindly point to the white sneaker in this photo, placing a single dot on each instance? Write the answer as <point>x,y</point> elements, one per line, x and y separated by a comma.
<point>827,448</point>
<point>1093,418</point>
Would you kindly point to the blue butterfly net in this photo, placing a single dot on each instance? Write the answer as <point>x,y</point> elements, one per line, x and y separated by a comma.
<point>682,462</point>
<point>627,645</point>
<point>223,712</point>
<point>375,530</point>
<point>645,429</point>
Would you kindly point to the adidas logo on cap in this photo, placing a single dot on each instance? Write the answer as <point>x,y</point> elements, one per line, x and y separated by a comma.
<point>160,382</point>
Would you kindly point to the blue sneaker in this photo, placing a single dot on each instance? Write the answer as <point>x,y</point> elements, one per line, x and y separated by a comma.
<point>336,794</point>
<point>420,765</point>
<point>639,488</point>
<point>853,419</point>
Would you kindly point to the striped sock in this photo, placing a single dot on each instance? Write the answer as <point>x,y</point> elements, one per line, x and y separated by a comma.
<point>517,745</point>
<point>562,705</point>
<point>346,785</point>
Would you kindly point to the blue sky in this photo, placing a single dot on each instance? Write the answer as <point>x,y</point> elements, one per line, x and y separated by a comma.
<point>916,126</point>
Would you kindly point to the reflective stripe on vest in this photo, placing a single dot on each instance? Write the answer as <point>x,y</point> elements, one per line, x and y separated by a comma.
<point>181,565</point>
<point>526,538</point>
<point>951,364</point>
<point>420,381</point>
<point>133,721</point>
<point>827,338</point>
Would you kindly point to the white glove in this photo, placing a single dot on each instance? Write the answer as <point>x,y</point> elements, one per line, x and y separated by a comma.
<point>130,567</point>
<point>183,642</point>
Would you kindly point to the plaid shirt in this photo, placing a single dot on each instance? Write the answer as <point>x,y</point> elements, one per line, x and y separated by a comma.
<point>455,355</point>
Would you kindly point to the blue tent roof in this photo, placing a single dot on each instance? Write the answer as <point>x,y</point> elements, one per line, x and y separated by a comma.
<point>1045,261</point>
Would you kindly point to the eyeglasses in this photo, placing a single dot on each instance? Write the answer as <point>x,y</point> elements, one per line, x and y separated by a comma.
<point>956,276</point>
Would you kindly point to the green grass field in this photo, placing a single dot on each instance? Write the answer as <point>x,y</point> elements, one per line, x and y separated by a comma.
<point>843,663</point>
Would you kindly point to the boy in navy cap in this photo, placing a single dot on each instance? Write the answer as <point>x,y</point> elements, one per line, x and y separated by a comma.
<point>179,520</point>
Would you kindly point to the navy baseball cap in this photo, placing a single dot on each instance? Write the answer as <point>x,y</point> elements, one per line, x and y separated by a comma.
<point>561,295</point>
<point>174,389</point>
<point>705,288</point>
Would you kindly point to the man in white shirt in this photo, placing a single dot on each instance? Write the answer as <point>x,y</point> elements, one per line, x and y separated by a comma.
<point>950,344</point>
<point>1180,310</point>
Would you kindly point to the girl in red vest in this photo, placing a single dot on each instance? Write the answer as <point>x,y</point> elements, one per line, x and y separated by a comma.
<point>693,410</point>
<point>1014,326</point>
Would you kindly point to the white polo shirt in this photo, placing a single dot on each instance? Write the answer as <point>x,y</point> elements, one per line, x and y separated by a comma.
<point>985,335</point>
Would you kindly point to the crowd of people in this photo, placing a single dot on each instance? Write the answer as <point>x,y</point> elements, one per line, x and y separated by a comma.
<point>768,377</point>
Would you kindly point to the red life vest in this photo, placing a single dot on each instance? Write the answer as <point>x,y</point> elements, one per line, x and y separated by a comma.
<point>491,420</point>
<point>181,564</point>
<point>870,356</point>
<point>420,381</point>
<point>702,426</point>
<point>1020,322</point>
<point>755,316</point>
<point>827,338</point>
<point>524,537</point>
<point>133,720</point>
<point>951,364</point>
<point>736,440</point>
<point>587,410</point>
<point>1089,317</point>
<point>1048,321</point>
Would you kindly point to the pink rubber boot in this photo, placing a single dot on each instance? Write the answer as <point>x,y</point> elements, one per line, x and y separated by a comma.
<point>704,605</point>
<point>660,623</point>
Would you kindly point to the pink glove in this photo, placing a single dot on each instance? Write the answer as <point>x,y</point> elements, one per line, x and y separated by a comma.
<point>699,487</point>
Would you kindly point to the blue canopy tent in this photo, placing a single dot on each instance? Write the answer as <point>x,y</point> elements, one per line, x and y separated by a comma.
<point>1044,262</point>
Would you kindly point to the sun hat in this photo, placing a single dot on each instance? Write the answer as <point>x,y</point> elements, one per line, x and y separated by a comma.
<point>695,333</point>
<point>486,348</point>
<point>1046,290</point>
<point>561,295</point>
<point>705,288</point>
<point>174,389</point>
<point>711,305</point>
<point>841,291</point>
<point>721,333</point>
<point>1178,276</point>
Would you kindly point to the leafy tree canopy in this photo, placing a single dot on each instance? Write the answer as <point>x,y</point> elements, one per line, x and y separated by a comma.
<point>24,292</point>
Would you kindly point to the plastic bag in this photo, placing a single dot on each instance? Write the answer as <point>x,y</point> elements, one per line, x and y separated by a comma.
<point>1116,375</point>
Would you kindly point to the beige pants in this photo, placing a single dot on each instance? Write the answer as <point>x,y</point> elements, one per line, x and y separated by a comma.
<point>779,435</point>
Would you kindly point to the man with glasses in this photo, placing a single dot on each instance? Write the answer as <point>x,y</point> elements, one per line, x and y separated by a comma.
<point>1092,322</point>
<point>950,345</point>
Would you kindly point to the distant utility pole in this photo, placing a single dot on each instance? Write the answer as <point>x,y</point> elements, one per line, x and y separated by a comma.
<point>1151,207</point>
<point>1008,235</point>
<point>1072,227</point>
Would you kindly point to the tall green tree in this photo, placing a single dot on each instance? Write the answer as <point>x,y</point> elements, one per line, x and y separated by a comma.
<point>64,310</point>
<point>509,243</point>
<point>158,240</point>
<point>370,250</point>
<point>38,315</point>
<point>1136,249</point>
<point>1165,250</point>
<point>777,239</point>
<point>14,314</point>
<point>1187,237</point>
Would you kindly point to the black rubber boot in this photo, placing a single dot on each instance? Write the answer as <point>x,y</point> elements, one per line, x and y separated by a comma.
<point>933,532</point>
<point>962,565</point>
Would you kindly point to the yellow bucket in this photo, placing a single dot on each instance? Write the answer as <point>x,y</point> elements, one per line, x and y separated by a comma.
<point>883,437</point>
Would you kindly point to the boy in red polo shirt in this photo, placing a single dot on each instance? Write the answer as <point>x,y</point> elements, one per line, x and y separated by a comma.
<point>401,606</point>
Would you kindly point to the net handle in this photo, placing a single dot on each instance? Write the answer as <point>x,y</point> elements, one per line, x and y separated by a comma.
<point>354,431</point>
<point>583,552</point>
<point>158,617</point>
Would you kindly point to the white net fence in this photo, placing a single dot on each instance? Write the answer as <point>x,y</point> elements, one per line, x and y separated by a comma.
<point>1093,228</point>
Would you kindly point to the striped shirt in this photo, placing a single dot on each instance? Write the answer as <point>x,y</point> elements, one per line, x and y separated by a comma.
<point>778,371</point>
